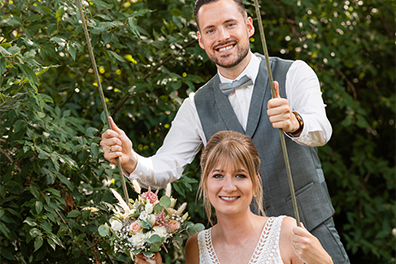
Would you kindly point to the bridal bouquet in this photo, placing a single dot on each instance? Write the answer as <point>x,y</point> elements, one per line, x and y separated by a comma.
<point>147,224</point>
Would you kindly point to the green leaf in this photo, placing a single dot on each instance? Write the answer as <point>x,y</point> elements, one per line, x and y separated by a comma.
<point>34,232</point>
<point>73,214</point>
<point>33,18</point>
<point>194,228</point>
<point>176,12</point>
<point>39,207</point>
<point>114,56</point>
<point>30,221</point>
<point>144,224</point>
<point>95,150</point>
<point>4,230</point>
<point>4,52</point>
<point>38,242</point>
<point>65,181</point>
<point>101,3</point>
<point>104,230</point>
<point>29,73</point>
<point>35,191</point>
<point>2,65</point>
<point>132,25</point>
<point>55,239</point>
<point>72,51</point>
<point>165,201</point>
<point>59,14</point>
<point>51,28</point>
<point>51,243</point>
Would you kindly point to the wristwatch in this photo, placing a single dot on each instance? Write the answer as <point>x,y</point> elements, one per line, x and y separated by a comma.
<point>300,122</point>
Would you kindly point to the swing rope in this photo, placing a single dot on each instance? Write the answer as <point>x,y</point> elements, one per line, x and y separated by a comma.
<point>282,136</point>
<point>95,68</point>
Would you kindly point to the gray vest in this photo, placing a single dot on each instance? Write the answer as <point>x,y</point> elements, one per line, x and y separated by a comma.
<point>216,114</point>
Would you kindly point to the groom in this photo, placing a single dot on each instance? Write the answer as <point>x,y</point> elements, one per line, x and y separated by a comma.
<point>224,31</point>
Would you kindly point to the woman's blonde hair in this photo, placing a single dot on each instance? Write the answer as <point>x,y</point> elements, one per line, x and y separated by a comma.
<point>227,147</point>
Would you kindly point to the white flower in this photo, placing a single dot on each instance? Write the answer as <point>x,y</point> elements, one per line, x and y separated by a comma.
<point>181,209</point>
<point>116,225</point>
<point>152,219</point>
<point>168,190</point>
<point>143,216</point>
<point>122,203</point>
<point>136,186</point>
<point>138,239</point>
<point>185,216</point>
<point>149,208</point>
<point>173,202</point>
<point>160,230</point>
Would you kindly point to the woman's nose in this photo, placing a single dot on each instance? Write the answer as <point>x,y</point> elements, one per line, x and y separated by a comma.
<point>229,184</point>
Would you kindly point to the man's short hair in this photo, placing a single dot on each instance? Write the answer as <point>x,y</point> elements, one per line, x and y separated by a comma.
<point>200,3</point>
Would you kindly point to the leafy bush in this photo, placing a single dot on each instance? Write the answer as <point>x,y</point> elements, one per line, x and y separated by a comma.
<point>54,180</point>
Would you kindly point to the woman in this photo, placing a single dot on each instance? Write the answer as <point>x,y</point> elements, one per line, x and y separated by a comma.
<point>230,181</point>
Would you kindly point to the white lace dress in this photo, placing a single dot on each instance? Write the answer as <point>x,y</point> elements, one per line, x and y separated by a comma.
<point>266,252</point>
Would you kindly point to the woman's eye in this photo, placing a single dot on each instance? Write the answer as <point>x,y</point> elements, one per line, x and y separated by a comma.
<point>242,176</point>
<point>216,176</point>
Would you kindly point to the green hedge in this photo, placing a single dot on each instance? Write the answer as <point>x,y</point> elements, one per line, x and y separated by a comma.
<point>54,179</point>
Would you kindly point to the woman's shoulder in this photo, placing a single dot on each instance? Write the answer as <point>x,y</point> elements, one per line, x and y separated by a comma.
<point>192,250</point>
<point>288,223</point>
<point>285,240</point>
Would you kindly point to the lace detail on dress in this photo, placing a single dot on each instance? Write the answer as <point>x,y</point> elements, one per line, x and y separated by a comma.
<point>207,254</point>
<point>266,252</point>
<point>267,249</point>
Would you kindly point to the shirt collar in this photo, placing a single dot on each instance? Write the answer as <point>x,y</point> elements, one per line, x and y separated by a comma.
<point>251,70</point>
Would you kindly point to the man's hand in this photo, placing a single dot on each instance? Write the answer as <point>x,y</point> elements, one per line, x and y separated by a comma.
<point>280,114</point>
<point>115,145</point>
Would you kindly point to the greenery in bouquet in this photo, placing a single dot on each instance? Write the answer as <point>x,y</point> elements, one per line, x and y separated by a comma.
<point>148,223</point>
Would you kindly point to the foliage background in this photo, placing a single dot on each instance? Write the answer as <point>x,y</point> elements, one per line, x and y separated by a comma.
<point>54,180</point>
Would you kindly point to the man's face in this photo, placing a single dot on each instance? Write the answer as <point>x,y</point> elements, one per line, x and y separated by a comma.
<point>224,33</point>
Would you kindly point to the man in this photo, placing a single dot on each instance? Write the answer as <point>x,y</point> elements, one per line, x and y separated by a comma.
<point>223,31</point>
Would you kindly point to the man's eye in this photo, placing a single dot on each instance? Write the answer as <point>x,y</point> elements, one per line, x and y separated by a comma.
<point>209,31</point>
<point>231,24</point>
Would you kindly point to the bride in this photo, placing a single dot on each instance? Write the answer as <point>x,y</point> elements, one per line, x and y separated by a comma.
<point>230,181</point>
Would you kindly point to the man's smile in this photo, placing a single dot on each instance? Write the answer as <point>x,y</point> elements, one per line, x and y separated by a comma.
<point>225,46</point>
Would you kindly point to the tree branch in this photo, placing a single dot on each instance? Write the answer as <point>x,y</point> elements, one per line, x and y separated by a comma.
<point>10,159</point>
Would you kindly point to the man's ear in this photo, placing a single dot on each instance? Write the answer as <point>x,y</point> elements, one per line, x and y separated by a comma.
<point>199,40</point>
<point>250,27</point>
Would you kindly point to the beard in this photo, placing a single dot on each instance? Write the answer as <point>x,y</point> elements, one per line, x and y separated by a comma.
<point>241,53</point>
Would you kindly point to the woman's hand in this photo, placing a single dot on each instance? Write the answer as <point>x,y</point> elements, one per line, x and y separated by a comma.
<point>141,259</point>
<point>116,144</point>
<point>308,248</point>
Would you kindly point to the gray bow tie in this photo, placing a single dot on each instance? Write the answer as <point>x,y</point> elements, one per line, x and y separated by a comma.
<point>228,88</point>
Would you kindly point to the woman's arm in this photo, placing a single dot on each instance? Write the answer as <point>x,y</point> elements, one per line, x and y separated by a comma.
<point>192,250</point>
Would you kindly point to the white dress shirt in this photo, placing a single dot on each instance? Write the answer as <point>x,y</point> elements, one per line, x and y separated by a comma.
<point>186,136</point>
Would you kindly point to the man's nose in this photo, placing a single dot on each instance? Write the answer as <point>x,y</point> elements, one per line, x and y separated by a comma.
<point>223,34</point>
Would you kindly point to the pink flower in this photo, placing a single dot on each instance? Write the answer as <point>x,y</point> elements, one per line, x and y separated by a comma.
<point>150,196</point>
<point>135,227</point>
<point>173,226</point>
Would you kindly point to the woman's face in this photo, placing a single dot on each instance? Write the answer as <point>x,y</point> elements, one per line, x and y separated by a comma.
<point>229,189</point>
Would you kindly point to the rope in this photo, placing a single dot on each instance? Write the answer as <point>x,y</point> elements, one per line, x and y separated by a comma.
<point>282,136</point>
<point>95,68</point>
